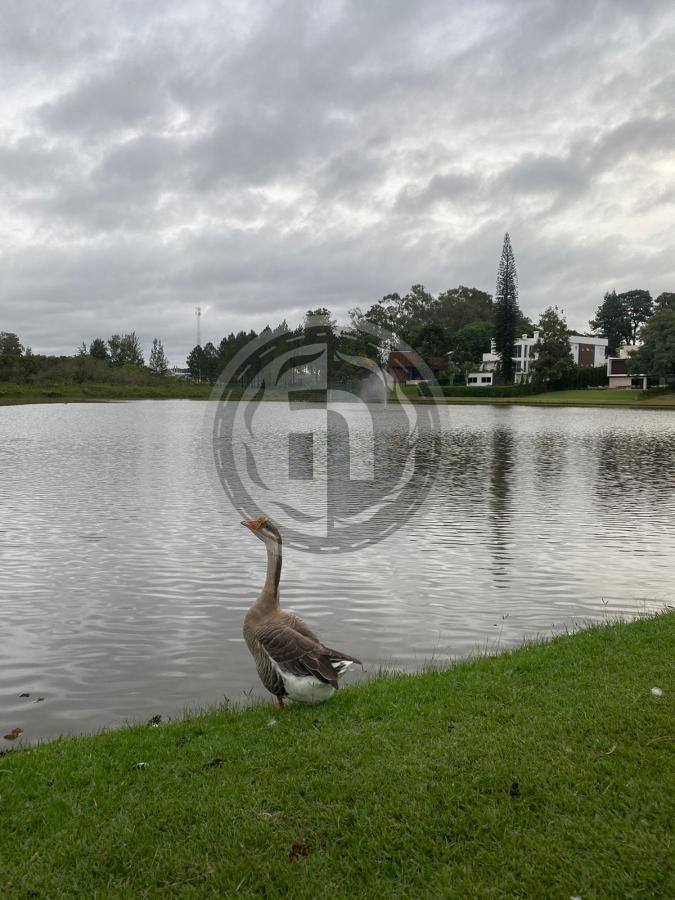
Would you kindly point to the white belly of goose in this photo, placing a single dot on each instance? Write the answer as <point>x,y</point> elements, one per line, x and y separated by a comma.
<point>307,688</point>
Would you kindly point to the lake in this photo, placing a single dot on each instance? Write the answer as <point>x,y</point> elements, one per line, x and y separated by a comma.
<point>125,575</point>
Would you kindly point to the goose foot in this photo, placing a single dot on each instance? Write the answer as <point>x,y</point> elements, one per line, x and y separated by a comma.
<point>280,702</point>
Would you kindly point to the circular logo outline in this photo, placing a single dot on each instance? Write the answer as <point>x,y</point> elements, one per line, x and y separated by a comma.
<point>227,394</point>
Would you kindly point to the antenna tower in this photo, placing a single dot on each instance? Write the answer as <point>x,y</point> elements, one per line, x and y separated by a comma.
<point>198,313</point>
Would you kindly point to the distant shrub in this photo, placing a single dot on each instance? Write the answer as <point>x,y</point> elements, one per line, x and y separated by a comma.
<point>579,378</point>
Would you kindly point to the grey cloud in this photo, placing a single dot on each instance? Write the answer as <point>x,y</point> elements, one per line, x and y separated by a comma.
<point>644,136</point>
<point>544,174</point>
<point>442,187</point>
<point>125,96</point>
<point>27,163</point>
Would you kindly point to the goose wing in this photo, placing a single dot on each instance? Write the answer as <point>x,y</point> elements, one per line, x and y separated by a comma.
<point>297,654</point>
<point>298,624</point>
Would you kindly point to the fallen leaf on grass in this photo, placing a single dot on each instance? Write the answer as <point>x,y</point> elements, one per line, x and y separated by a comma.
<point>297,851</point>
<point>214,763</point>
<point>13,734</point>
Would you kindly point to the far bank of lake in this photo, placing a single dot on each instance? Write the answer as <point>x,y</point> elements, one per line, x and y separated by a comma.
<point>181,389</point>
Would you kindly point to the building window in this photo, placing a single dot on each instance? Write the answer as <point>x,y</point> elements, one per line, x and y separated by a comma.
<point>519,349</point>
<point>473,380</point>
<point>486,380</point>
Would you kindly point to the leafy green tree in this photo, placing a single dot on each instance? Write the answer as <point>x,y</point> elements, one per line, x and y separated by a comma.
<point>378,342</point>
<point>524,325</point>
<point>131,350</point>
<point>656,356</point>
<point>461,306</point>
<point>11,354</point>
<point>320,330</point>
<point>82,350</point>
<point>196,364</point>
<point>125,349</point>
<point>211,362</point>
<point>400,314</point>
<point>229,347</point>
<point>507,313</point>
<point>430,341</point>
<point>611,320</point>
<point>11,348</point>
<point>98,349</point>
<point>115,349</point>
<point>552,351</point>
<point>470,343</point>
<point>413,309</point>
<point>638,306</point>
<point>666,300</point>
<point>158,364</point>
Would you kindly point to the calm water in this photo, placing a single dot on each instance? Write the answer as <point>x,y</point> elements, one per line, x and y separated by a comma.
<point>124,577</point>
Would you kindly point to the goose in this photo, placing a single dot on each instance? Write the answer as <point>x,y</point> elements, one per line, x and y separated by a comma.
<point>291,660</point>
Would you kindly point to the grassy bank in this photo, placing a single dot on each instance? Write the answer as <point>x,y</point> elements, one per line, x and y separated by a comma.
<point>178,389</point>
<point>167,389</point>
<point>546,772</point>
<point>615,398</point>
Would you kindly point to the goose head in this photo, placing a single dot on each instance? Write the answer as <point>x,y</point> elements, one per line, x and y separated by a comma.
<point>262,528</point>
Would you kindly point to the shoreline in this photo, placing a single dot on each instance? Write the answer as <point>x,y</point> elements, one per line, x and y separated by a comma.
<point>24,395</point>
<point>520,769</point>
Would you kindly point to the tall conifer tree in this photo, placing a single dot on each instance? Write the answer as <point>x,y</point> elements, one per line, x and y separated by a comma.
<point>158,361</point>
<point>506,310</point>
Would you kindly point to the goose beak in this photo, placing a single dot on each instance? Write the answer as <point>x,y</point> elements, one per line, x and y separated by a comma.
<point>254,524</point>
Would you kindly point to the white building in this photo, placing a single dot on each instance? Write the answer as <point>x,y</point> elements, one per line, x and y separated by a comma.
<point>587,352</point>
<point>620,376</point>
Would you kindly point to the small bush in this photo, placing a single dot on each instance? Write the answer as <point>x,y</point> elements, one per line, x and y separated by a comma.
<point>579,378</point>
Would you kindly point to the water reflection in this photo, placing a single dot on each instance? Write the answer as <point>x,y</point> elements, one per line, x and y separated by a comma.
<point>501,485</point>
<point>124,576</point>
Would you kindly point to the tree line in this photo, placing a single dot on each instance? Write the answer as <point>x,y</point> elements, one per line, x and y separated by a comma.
<point>118,360</point>
<point>450,331</point>
<point>459,321</point>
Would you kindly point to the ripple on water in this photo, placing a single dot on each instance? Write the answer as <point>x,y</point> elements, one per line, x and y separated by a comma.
<point>124,581</point>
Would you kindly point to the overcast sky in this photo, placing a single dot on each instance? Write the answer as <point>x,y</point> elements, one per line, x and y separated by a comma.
<point>262,158</point>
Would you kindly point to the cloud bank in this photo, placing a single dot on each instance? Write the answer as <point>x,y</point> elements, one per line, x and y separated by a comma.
<point>261,159</point>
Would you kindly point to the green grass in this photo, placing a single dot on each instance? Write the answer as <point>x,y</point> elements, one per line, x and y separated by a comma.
<point>168,389</point>
<point>544,772</point>
<point>181,389</point>
<point>587,397</point>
